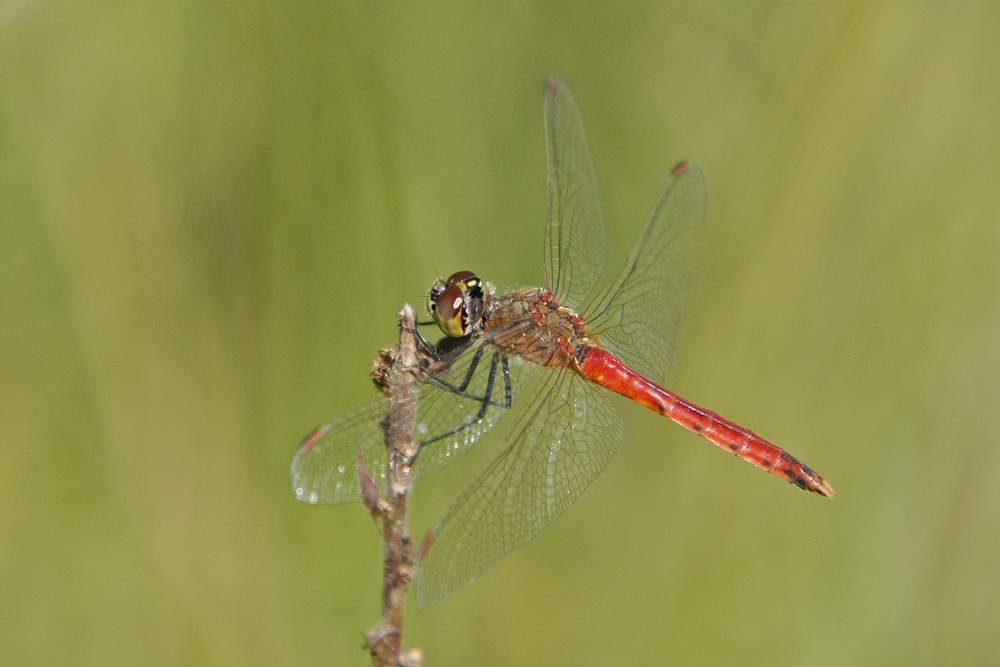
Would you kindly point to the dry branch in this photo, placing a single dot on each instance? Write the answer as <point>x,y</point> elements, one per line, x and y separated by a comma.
<point>395,373</point>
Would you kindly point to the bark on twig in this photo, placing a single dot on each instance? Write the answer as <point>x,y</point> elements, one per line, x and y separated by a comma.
<point>395,372</point>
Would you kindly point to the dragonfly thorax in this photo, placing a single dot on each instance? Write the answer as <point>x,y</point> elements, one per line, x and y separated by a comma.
<point>457,304</point>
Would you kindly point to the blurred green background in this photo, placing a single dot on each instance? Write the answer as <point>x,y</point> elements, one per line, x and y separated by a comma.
<point>211,212</point>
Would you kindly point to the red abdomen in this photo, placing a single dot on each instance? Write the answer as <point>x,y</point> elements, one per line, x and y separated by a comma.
<point>603,368</point>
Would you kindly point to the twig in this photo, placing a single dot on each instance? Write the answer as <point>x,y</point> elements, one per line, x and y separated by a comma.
<point>395,373</point>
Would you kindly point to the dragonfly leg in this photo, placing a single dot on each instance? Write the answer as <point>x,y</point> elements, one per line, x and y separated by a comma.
<point>485,401</point>
<point>426,347</point>
<point>460,389</point>
<point>506,382</point>
<point>472,369</point>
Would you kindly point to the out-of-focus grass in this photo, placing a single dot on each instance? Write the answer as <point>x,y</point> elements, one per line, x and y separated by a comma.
<point>210,213</point>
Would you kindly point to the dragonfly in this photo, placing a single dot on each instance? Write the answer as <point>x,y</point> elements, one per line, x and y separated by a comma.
<point>542,360</point>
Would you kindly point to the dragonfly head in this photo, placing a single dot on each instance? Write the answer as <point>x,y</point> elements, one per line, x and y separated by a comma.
<point>457,304</point>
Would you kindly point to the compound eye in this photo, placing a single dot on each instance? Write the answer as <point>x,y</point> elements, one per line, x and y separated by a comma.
<point>460,277</point>
<point>449,311</point>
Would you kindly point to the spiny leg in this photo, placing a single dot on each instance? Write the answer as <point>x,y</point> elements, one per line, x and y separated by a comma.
<point>459,389</point>
<point>485,401</point>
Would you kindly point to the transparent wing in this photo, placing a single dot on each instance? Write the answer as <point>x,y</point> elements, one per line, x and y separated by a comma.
<point>325,466</point>
<point>561,441</point>
<point>462,395</point>
<point>575,243</point>
<point>636,316</point>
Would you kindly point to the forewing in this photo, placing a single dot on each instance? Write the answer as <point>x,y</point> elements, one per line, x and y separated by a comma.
<point>636,316</point>
<point>458,403</point>
<point>575,243</point>
<point>325,466</point>
<point>558,445</point>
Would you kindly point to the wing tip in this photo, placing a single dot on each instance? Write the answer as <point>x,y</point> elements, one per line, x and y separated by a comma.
<point>310,440</point>
<point>425,546</point>
<point>552,85</point>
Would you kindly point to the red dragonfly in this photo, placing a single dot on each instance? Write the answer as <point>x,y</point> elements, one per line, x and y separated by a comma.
<point>546,355</point>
